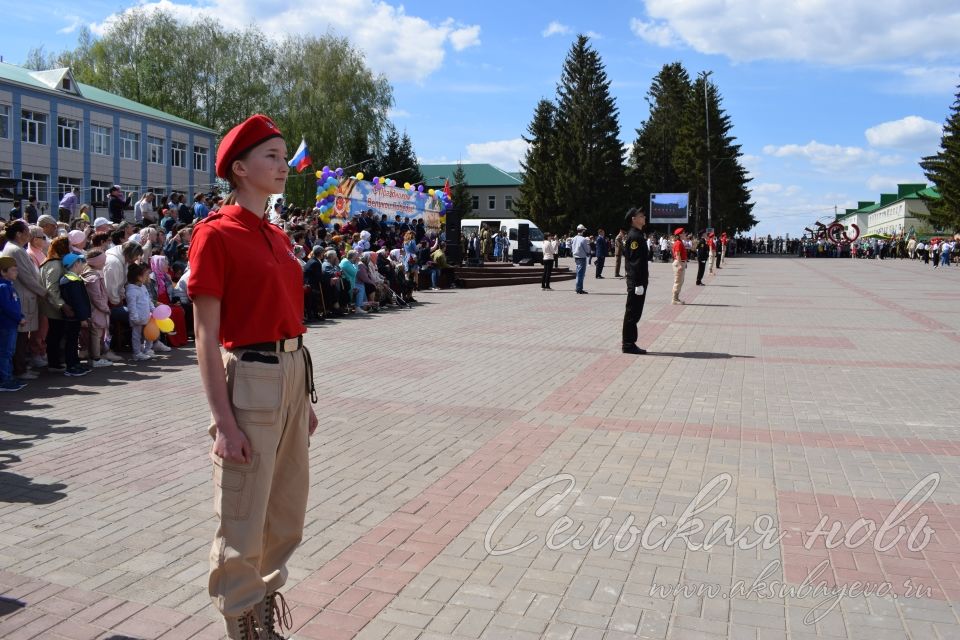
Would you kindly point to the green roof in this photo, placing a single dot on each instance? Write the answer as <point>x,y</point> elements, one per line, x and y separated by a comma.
<point>89,93</point>
<point>904,192</point>
<point>477,175</point>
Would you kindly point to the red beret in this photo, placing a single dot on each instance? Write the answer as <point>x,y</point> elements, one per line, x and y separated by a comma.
<point>678,231</point>
<point>243,137</point>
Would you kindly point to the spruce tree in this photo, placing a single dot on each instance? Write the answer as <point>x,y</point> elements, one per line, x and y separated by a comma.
<point>537,200</point>
<point>462,201</point>
<point>943,170</point>
<point>670,154</point>
<point>414,175</point>
<point>589,180</point>
<point>651,165</point>
<point>391,160</point>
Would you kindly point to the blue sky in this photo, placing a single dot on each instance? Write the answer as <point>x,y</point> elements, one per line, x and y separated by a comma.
<point>832,102</point>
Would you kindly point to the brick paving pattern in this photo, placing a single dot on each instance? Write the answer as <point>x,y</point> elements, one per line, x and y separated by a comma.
<point>808,398</point>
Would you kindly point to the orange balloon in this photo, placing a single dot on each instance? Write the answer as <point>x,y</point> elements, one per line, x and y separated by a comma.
<point>151,332</point>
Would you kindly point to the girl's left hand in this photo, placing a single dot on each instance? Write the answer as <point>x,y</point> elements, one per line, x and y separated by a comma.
<point>313,421</point>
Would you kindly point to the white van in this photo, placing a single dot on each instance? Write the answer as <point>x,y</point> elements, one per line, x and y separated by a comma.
<point>510,225</point>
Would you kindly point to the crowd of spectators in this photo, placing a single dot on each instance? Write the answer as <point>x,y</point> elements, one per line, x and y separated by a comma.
<point>77,295</point>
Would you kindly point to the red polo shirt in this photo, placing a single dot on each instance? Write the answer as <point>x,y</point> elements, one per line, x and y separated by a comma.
<point>679,251</point>
<point>249,265</point>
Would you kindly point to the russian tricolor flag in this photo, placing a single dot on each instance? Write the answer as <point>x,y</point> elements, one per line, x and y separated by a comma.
<point>301,159</point>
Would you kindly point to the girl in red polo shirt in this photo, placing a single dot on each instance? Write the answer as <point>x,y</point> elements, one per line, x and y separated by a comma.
<point>247,290</point>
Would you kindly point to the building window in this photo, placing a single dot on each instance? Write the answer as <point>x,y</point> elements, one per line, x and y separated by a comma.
<point>68,133</point>
<point>100,140</point>
<point>4,121</point>
<point>178,154</point>
<point>36,185</point>
<point>475,202</point>
<point>66,184</point>
<point>200,159</point>
<point>129,145</point>
<point>99,191</point>
<point>5,173</point>
<point>154,150</point>
<point>33,127</point>
<point>508,202</point>
<point>491,202</point>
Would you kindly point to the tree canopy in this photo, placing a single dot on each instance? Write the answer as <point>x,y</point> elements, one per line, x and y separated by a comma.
<point>316,87</point>
<point>574,170</point>
<point>943,169</point>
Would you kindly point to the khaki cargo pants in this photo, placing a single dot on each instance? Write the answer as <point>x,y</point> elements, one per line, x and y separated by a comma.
<point>679,268</point>
<point>261,504</point>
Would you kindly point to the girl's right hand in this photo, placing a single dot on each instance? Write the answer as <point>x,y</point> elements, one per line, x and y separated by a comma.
<point>232,445</point>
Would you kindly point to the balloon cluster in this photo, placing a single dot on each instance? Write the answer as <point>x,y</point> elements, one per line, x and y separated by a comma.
<point>159,322</point>
<point>327,182</point>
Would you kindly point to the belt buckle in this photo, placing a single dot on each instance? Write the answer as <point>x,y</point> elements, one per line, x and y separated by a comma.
<point>291,342</point>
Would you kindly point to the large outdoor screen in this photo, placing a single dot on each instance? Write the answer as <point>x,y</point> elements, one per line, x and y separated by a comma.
<point>669,208</point>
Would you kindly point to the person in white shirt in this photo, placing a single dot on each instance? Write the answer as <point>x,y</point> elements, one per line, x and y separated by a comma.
<point>550,249</point>
<point>143,212</point>
<point>664,249</point>
<point>580,248</point>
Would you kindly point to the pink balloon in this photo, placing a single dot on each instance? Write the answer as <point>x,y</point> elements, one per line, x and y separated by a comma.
<point>162,312</point>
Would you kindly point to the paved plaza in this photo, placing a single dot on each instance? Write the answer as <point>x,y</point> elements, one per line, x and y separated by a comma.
<point>489,465</point>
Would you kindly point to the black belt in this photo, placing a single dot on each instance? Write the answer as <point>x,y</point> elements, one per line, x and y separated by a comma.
<point>290,345</point>
<point>280,346</point>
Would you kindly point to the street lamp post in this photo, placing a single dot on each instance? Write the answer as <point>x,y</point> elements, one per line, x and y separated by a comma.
<point>706,111</point>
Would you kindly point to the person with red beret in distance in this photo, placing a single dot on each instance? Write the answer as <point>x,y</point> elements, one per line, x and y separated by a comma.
<point>679,263</point>
<point>247,290</point>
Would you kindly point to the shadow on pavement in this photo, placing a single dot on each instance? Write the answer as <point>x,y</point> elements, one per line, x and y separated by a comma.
<point>22,432</point>
<point>698,355</point>
<point>9,605</point>
<point>703,304</point>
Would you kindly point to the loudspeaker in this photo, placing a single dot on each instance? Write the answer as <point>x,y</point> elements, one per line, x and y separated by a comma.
<point>454,251</point>
<point>523,236</point>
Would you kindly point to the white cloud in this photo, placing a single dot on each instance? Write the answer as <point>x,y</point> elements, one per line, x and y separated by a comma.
<point>75,22</point>
<point>555,29</point>
<point>769,187</point>
<point>831,158</point>
<point>911,132</point>
<point>402,46</point>
<point>928,80</point>
<point>504,154</point>
<point>830,32</point>
<point>888,184</point>
<point>466,37</point>
<point>397,113</point>
<point>593,35</point>
<point>659,34</point>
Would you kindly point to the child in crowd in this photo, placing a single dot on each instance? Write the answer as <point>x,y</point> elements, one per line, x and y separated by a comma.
<point>74,294</point>
<point>100,307</point>
<point>11,317</point>
<point>139,307</point>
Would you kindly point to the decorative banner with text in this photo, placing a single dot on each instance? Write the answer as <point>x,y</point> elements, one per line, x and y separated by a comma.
<point>352,197</point>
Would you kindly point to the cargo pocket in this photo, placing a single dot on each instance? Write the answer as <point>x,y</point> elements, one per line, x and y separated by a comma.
<point>235,484</point>
<point>257,391</point>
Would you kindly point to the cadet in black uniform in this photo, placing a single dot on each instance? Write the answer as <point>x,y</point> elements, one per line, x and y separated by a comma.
<point>638,276</point>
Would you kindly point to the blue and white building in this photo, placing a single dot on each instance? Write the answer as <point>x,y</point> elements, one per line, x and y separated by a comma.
<point>56,134</point>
